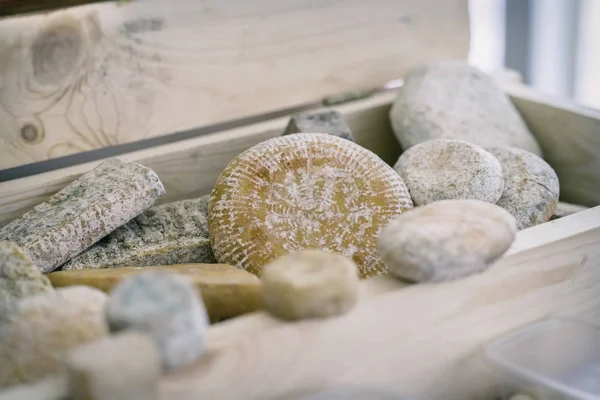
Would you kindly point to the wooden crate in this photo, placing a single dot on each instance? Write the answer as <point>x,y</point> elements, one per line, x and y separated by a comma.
<point>146,69</point>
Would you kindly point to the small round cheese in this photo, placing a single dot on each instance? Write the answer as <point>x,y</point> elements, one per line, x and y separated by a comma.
<point>309,284</point>
<point>443,169</point>
<point>446,240</point>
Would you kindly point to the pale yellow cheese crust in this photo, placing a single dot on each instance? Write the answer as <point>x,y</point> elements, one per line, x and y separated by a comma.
<point>300,191</point>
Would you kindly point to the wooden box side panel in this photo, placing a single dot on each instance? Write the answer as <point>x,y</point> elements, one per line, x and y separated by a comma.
<point>567,132</point>
<point>111,73</point>
<point>570,138</point>
<point>190,168</point>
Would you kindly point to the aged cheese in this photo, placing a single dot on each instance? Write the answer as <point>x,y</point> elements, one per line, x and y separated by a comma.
<point>453,100</point>
<point>38,331</point>
<point>85,211</point>
<point>446,240</point>
<point>227,291</point>
<point>300,191</point>
<point>18,276</point>
<point>165,306</point>
<point>309,284</point>
<point>443,169</point>
<point>328,121</point>
<point>531,188</point>
<point>172,233</point>
<point>123,366</point>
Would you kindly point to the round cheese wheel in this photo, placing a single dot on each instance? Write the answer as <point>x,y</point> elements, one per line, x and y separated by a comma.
<point>304,191</point>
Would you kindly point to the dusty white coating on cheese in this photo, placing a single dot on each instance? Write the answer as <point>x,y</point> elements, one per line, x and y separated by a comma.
<point>38,330</point>
<point>531,189</point>
<point>309,284</point>
<point>454,100</point>
<point>308,190</point>
<point>83,212</point>
<point>446,240</point>
<point>450,169</point>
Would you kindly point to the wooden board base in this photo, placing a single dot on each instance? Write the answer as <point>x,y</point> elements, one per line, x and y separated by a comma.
<point>424,341</point>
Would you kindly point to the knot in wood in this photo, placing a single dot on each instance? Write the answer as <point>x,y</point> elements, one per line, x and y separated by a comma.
<point>55,52</point>
<point>31,134</point>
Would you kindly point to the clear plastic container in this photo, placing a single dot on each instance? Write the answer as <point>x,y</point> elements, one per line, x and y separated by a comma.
<point>551,360</point>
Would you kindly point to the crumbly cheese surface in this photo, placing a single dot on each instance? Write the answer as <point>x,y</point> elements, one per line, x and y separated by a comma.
<point>300,191</point>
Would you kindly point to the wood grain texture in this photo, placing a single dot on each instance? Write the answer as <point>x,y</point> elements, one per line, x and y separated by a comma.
<point>569,135</point>
<point>424,341</point>
<point>111,73</point>
<point>567,132</point>
<point>190,168</point>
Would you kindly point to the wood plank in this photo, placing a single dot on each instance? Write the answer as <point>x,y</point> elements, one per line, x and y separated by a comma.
<point>568,133</point>
<point>190,168</point>
<point>110,73</point>
<point>421,340</point>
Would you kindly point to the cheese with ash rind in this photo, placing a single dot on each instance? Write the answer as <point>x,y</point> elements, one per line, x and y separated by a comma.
<point>327,121</point>
<point>172,233</point>
<point>84,212</point>
<point>301,191</point>
<point>165,306</point>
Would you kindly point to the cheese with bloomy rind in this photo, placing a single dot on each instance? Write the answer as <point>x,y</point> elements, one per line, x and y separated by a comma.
<point>531,188</point>
<point>167,307</point>
<point>84,212</point>
<point>227,291</point>
<point>451,99</point>
<point>327,121</point>
<point>443,169</point>
<point>309,284</point>
<point>300,191</point>
<point>18,276</point>
<point>37,331</point>
<point>446,240</point>
<point>172,233</point>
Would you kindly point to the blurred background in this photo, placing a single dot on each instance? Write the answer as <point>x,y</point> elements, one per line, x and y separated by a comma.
<point>554,44</point>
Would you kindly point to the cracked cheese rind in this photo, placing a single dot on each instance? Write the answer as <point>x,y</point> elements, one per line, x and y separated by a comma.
<point>531,187</point>
<point>299,191</point>
<point>83,212</point>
